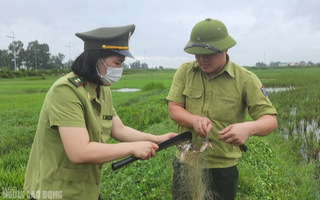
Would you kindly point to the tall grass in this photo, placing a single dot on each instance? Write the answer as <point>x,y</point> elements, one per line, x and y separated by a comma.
<point>272,168</point>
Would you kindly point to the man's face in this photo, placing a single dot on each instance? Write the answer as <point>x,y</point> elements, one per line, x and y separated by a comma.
<point>212,64</point>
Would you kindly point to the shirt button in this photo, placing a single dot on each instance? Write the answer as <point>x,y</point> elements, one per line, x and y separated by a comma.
<point>70,181</point>
<point>97,183</point>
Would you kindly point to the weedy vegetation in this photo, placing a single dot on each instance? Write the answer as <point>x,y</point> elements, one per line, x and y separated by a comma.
<point>284,165</point>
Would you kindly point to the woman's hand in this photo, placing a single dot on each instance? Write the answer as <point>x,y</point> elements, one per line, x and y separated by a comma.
<point>161,138</point>
<point>144,150</point>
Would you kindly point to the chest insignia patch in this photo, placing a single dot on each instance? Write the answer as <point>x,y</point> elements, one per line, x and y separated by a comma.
<point>264,92</point>
<point>106,117</point>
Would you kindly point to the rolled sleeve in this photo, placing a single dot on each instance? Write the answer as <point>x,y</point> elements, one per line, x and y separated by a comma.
<point>65,108</point>
<point>257,99</point>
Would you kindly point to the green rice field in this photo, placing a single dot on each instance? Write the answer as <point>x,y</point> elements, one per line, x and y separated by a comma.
<point>283,165</point>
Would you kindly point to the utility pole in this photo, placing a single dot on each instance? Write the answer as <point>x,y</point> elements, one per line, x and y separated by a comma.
<point>35,58</point>
<point>14,52</point>
<point>69,46</point>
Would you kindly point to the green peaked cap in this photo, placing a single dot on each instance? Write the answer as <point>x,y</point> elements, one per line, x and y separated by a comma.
<point>113,38</point>
<point>208,37</point>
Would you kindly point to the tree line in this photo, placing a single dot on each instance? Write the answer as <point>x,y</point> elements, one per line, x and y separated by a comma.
<point>35,56</point>
<point>38,57</point>
<point>286,64</point>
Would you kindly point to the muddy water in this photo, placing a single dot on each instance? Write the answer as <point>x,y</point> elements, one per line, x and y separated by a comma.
<point>279,89</point>
<point>302,129</point>
<point>127,90</point>
<point>308,132</point>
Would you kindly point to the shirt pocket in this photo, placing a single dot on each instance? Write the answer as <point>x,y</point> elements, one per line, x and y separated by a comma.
<point>106,128</point>
<point>193,100</point>
<point>225,109</point>
<point>71,175</point>
<point>72,182</point>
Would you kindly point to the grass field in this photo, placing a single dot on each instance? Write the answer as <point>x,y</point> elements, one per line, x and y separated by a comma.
<point>284,165</point>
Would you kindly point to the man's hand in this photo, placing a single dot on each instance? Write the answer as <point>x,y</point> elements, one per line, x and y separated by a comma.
<point>236,134</point>
<point>202,126</point>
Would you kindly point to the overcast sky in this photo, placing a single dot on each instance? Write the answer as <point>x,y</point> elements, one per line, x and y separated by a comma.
<point>265,30</point>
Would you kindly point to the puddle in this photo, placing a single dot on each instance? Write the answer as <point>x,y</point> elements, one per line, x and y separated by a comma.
<point>127,90</point>
<point>304,131</point>
<point>279,89</point>
<point>308,133</point>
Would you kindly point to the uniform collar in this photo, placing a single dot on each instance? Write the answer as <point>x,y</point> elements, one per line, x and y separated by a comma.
<point>90,91</point>
<point>227,68</point>
<point>87,85</point>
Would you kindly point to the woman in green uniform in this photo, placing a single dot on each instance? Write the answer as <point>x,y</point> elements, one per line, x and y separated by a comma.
<point>78,118</point>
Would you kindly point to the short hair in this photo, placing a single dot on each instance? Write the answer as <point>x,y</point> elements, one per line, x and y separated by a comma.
<point>85,64</point>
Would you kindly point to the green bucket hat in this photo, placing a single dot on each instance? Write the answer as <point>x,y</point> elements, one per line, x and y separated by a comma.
<point>208,37</point>
<point>113,38</point>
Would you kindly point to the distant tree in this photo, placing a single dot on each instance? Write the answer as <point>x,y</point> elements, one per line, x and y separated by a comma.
<point>144,66</point>
<point>310,63</point>
<point>56,61</point>
<point>125,66</point>
<point>272,63</point>
<point>16,50</point>
<point>135,65</point>
<point>61,57</point>
<point>33,57</point>
<point>277,63</point>
<point>5,60</point>
<point>38,55</point>
<point>44,56</point>
<point>260,64</point>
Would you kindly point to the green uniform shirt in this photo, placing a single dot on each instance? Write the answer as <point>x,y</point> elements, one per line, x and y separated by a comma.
<point>225,99</point>
<point>68,103</point>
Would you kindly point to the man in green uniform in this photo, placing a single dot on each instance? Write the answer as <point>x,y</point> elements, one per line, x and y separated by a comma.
<point>211,97</point>
<point>77,119</point>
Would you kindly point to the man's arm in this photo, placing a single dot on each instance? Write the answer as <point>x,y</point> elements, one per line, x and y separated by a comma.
<point>177,112</point>
<point>237,134</point>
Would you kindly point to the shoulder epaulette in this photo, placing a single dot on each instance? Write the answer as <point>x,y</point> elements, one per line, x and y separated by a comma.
<point>77,81</point>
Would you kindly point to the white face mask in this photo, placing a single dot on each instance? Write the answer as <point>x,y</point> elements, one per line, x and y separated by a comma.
<point>113,74</point>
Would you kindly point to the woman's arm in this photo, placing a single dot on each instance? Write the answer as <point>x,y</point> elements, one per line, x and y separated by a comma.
<point>124,133</point>
<point>80,150</point>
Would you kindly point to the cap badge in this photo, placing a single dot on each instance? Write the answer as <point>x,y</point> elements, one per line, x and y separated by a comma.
<point>129,36</point>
